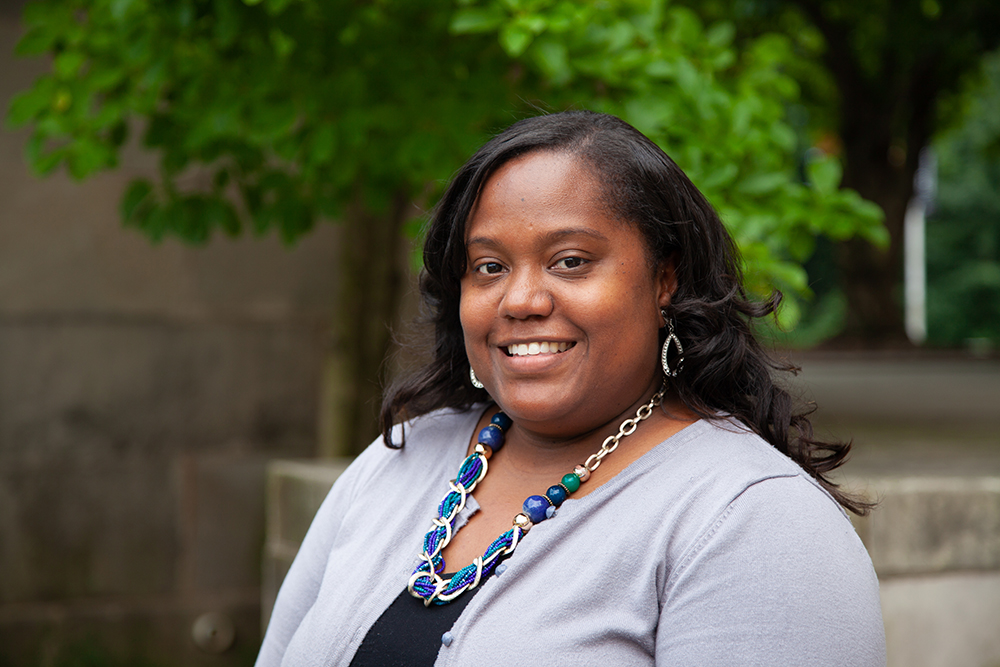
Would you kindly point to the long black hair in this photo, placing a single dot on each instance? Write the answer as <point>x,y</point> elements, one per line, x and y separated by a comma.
<point>725,368</point>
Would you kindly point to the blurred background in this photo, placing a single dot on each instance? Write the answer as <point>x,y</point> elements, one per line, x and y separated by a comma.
<point>210,215</point>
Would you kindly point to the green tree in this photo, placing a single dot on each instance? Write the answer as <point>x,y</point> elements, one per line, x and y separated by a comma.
<point>885,76</point>
<point>963,233</point>
<point>296,111</point>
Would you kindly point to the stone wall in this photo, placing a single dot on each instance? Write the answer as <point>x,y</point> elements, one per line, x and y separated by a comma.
<point>142,390</point>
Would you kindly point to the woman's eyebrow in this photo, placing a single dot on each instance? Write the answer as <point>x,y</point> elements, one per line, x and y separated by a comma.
<point>575,231</point>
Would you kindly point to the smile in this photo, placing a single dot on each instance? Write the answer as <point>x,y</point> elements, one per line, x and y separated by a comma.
<point>531,349</point>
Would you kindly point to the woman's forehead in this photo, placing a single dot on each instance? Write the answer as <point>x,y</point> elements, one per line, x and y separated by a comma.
<point>535,184</point>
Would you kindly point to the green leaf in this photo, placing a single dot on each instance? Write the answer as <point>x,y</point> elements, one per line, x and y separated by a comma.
<point>282,43</point>
<point>27,106</point>
<point>789,312</point>
<point>323,143</point>
<point>87,155</point>
<point>275,7</point>
<point>720,35</point>
<point>135,201</point>
<point>553,59</point>
<point>42,162</point>
<point>476,20</point>
<point>515,39</point>
<point>220,214</point>
<point>720,177</point>
<point>661,69</point>
<point>227,22</point>
<point>36,41</point>
<point>824,173</point>
<point>68,63</point>
<point>648,113</point>
<point>760,184</point>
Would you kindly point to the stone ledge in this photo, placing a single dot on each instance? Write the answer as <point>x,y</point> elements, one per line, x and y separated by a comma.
<point>295,490</point>
<point>931,524</point>
<point>947,619</point>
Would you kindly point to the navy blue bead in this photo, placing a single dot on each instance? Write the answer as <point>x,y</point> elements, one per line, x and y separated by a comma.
<point>502,420</point>
<point>557,494</point>
<point>492,436</point>
<point>535,506</point>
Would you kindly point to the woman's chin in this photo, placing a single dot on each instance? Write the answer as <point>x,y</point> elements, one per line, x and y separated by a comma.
<point>535,403</point>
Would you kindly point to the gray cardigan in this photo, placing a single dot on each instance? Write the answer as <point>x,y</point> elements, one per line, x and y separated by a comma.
<point>711,549</point>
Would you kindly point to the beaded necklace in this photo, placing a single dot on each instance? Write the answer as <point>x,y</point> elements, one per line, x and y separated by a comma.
<point>426,582</point>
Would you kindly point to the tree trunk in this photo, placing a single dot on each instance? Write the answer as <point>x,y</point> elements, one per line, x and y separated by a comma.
<point>372,268</point>
<point>885,121</point>
<point>870,276</point>
<point>883,134</point>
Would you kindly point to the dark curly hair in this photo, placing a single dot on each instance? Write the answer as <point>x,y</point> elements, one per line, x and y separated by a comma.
<point>726,371</point>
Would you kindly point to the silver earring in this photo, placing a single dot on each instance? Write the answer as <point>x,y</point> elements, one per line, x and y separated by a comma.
<point>475,381</point>
<point>671,338</point>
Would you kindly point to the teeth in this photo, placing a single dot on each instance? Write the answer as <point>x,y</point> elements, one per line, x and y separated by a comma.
<point>531,349</point>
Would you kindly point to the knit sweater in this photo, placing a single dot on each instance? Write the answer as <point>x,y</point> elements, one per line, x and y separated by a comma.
<point>713,548</point>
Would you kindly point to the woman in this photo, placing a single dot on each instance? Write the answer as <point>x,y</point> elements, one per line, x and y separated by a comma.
<point>646,494</point>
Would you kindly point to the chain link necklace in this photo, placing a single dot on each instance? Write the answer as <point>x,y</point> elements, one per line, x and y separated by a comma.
<point>426,581</point>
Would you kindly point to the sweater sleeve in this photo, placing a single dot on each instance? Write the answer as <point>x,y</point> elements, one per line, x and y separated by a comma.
<point>780,578</point>
<point>301,585</point>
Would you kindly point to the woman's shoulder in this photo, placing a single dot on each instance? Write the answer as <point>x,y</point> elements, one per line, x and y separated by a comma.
<point>427,440</point>
<point>436,425</point>
<point>728,456</point>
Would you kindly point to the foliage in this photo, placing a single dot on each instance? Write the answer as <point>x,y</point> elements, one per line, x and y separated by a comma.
<point>286,108</point>
<point>273,114</point>
<point>883,78</point>
<point>963,234</point>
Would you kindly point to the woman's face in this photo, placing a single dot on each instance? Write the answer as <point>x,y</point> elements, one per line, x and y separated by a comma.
<point>560,306</point>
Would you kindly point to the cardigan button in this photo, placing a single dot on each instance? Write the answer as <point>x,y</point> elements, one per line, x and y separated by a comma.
<point>447,639</point>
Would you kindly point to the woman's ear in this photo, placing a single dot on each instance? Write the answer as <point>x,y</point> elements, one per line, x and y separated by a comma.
<point>666,283</point>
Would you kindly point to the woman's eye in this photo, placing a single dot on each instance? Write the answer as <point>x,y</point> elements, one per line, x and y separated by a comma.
<point>489,268</point>
<point>570,262</point>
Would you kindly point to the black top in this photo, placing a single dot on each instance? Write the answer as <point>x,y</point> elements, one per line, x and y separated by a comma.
<point>408,634</point>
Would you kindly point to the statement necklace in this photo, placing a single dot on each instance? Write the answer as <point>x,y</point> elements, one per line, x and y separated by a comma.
<point>426,582</point>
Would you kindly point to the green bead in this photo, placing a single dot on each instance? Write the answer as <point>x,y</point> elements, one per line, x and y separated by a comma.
<point>571,482</point>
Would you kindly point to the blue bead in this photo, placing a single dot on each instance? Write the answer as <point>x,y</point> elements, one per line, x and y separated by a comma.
<point>502,420</point>
<point>557,494</point>
<point>492,436</point>
<point>446,639</point>
<point>535,506</point>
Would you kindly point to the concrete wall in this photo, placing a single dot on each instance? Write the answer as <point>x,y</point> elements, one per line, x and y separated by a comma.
<point>935,544</point>
<point>142,389</point>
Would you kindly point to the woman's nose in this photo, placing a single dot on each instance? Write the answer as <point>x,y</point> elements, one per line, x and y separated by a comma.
<point>526,295</point>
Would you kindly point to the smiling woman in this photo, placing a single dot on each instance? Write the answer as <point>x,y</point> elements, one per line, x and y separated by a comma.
<point>547,263</point>
<point>628,483</point>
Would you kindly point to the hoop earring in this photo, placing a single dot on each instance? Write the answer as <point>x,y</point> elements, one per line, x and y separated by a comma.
<point>665,353</point>
<point>475,381</point>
